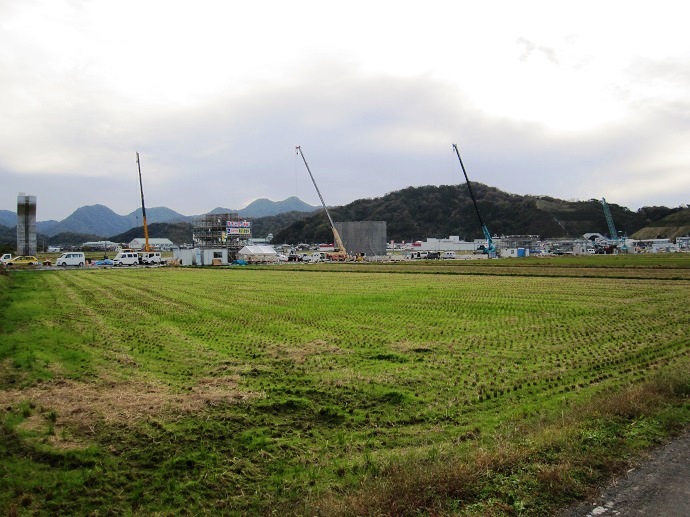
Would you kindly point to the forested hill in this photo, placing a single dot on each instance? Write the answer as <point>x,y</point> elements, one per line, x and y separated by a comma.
<point>416,213</point>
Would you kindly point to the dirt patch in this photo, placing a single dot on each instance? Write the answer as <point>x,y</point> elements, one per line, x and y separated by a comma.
<point>300,353</point>
<point>211,391</point>
<point>9,375</point>
<point>83,407</point>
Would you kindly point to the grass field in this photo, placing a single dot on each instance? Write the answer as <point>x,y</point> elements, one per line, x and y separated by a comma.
<point>501,388</point>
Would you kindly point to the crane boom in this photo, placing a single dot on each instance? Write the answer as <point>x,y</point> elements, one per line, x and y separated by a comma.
<point>147,248</point>
<point>342,252</point>
<point>609,221</point>
<point>490,247</point>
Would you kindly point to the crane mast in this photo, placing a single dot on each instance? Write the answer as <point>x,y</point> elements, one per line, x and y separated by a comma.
<point>609,221</point>
<point>143,209</point>
<point>490,247</point>
<point>618,240</point>
<point>342,252</point>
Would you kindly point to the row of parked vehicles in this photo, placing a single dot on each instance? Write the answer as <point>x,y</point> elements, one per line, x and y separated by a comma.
<point>78,259</point>
<point>135,258</point>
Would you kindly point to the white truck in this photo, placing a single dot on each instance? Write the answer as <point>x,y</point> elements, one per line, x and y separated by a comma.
<point>5,258</point>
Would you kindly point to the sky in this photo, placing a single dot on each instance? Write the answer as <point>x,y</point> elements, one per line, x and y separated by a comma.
<point>575,100</point>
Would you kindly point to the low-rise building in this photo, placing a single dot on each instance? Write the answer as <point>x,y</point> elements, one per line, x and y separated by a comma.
<point>452,243</point>
<point>154,243</point>
<point>100,245</point>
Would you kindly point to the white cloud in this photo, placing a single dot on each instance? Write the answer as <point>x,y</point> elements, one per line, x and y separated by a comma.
<point>582,100</point>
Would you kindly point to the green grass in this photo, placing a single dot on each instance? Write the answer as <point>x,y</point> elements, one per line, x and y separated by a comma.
<point>349,389</point>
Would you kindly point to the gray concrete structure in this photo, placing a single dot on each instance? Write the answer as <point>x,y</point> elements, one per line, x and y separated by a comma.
<point>26,225</point>
<point>363,237</point>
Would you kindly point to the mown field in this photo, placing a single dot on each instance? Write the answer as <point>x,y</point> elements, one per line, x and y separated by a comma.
<point>501,388</point>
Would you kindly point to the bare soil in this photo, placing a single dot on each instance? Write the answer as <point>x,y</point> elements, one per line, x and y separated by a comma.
<point>81,406</point>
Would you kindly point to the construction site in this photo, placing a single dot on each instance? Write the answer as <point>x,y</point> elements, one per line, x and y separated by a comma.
<point>218,240</point>
<point>225,238</point>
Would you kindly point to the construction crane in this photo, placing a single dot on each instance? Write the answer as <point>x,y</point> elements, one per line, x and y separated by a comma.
<point>340,253</point>
<point>613,234</point>
<point>490,248</point>
<point>147,248</point>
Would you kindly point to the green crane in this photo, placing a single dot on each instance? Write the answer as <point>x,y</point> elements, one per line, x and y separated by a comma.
<point>613,234</point>
<point>490,248</point>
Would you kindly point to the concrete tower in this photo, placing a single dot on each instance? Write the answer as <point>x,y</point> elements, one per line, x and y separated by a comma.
<point>26,225</point>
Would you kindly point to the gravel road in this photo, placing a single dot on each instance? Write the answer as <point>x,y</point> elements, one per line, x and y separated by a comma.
<point>658,486</point>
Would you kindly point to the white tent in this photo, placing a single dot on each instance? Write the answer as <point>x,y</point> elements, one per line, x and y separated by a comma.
<point>258,254</point>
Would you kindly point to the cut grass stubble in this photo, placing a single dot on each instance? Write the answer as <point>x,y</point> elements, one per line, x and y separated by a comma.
<point>252,390</point>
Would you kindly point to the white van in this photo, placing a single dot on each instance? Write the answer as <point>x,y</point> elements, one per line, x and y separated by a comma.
<point>126,258</point>
<point>72,258</point>
<point>150,257</point>
<point>448,255</point>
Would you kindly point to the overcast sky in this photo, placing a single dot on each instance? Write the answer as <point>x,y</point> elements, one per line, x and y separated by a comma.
<point>575,100</point>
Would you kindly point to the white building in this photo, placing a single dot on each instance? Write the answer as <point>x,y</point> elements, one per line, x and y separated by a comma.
<point>156,244</point>
<point>683,242</point>
<point>100,245</point>
<point>452,243</point>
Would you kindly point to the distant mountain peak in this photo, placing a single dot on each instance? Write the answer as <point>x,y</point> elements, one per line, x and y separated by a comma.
<point>264,207</point>
<point>101,221</point>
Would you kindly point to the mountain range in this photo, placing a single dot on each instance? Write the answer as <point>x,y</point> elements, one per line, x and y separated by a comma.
<point>413,213</point>
<point>101,221</point>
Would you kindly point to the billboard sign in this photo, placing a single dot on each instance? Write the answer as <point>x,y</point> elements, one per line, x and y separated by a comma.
<point>240,228</point>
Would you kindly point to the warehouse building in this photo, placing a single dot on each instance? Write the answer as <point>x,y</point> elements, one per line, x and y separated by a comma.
<point>154,243</point>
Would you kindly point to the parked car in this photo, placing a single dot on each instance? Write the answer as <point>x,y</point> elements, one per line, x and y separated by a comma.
<point>126,258</point>
<point>23,260</point>
<point>150,257</point>
<point>73,258</point>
